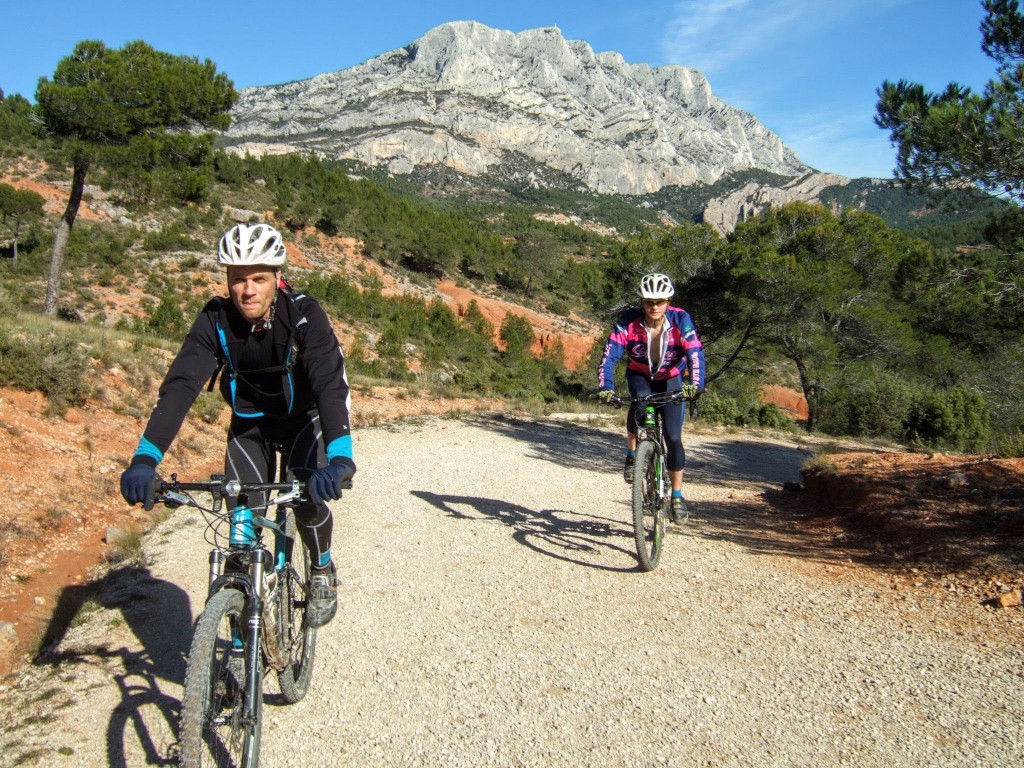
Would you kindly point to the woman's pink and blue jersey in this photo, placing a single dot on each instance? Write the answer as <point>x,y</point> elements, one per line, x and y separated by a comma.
<point>682,349</point>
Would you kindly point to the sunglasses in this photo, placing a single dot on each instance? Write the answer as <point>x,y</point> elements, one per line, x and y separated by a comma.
<point>655,302</point>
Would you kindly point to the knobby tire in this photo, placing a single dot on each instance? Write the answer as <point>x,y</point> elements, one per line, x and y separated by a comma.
<point>648,507</point>
<point>296,638</point>
<point>212,731</point>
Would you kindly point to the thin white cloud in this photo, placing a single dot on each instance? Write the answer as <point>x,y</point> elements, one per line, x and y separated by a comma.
<point>745,47</point>
<point>713,35</point>
<point>848,144</point>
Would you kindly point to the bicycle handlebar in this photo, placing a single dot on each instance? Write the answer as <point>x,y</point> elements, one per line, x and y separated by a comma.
<point>655,399</point>
<point>175,492</point>
<point>221,487</point>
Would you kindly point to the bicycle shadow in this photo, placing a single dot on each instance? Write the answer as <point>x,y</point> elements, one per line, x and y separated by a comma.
<point>560,534</point>
<point>159,614</point>
<point>757,469</point>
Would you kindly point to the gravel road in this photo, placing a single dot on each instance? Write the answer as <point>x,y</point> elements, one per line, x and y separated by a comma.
<point>492,614</point>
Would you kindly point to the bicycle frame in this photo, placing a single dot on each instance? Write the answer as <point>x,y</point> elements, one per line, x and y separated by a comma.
<point>244,565</point>
<point>650,426</point>
<point>257,596</point>
<point>650,479</point>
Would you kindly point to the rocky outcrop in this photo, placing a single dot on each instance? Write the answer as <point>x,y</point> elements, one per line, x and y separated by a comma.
<point>724,213</point>
<point>471,97</point>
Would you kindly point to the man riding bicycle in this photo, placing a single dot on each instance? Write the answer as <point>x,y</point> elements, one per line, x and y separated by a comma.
<point>662,348</point>
<point>284,378</point>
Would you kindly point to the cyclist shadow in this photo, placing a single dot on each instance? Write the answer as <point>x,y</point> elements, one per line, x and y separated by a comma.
<point>159,614</point>
<point>563,535</point>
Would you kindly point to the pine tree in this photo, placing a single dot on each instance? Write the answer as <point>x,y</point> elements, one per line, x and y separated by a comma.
<point>101,97</point>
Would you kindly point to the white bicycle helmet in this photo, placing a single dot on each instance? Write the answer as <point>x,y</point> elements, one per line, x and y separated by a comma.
<point>249,244</point>
<point>655,286</point>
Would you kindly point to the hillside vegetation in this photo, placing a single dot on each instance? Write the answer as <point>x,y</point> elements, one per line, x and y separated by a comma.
<point>886,333</point>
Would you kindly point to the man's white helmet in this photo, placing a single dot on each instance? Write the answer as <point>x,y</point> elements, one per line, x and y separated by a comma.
<point>656,286</point>
<point>249,244</point>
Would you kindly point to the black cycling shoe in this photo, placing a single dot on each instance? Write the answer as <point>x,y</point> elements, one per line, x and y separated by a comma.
<point>627,471</point>
<point>323,597</point>
<point>678,511</point>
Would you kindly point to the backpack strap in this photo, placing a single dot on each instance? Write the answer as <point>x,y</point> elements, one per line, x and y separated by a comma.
<point>292,355</point>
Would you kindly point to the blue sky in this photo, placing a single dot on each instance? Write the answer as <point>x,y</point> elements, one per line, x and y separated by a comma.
<point>808,69</point>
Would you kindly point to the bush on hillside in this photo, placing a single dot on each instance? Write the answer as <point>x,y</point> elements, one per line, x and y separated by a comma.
<point>1011,446</point>
<point>867,403</point>
<point>56,367</point>
<point>740,411</point>
<point>957,418</point>
<point>172,238</point>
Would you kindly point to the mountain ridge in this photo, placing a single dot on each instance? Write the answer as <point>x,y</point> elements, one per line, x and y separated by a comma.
<point>464,95</point>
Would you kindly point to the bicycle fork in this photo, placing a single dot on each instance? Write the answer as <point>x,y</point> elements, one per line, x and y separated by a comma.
<point>253,628</point>
<point>653,428</point>
<point>254,632</point>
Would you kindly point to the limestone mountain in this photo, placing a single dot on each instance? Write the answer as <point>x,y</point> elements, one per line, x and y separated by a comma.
<point>480,100</point>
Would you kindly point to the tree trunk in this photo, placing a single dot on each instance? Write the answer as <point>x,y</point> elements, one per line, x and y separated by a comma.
<point>60,240</point>
<point>807,385</point>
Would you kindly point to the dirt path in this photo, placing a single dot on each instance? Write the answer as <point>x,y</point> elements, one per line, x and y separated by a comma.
<point>492,614</point>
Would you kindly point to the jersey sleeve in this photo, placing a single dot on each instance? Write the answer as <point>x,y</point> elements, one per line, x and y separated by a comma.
<point>693,349</point>
<point>190,370</point>
<point>613,351</point>
<point>324,362</point>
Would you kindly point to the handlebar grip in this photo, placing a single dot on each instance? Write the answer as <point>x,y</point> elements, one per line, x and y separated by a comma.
<point>156,487</point>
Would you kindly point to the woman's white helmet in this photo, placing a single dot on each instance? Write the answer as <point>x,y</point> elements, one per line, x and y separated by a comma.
<point>250,244</point>
<point>655,286</point>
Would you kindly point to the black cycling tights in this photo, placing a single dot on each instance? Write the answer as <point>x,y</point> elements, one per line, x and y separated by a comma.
<point>672,416</point>
<point>250,459</point>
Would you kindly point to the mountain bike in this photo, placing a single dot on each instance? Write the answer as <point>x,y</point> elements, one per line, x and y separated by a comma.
<point>254,618</point>
<point>651,484</point>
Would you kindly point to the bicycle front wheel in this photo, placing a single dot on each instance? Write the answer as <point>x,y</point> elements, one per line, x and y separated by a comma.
<point>648,509</point>
<point>215,727</point>
<point>296,639</point>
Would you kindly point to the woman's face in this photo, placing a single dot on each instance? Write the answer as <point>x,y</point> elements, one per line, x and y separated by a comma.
<point>654,311</point>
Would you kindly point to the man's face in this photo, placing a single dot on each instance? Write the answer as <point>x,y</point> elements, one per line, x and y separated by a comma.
<point>252,290</point>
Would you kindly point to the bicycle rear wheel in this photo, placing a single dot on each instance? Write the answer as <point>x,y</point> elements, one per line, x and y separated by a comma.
<point>214,729</point>
<point>296,639</point>
<point>648,509</point>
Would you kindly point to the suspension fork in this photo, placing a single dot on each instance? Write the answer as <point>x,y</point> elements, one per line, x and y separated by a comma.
<point>654,432</point>
<point>254,633</point>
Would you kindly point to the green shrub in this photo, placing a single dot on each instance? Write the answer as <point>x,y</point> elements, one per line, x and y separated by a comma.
<point>167,319</point>
<point>171,238</point>
<point>957,418</point>
<point>770,416</point>
<point>742,411</point>
<point>1011,446</point>
<point>94,243</point>
<point>54,366</point>
<point>208,406</point>
<point>867,403</point>
<point>715,408</point>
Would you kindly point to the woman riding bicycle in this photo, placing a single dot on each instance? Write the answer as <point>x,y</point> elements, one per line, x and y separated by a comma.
<point>662,349</point>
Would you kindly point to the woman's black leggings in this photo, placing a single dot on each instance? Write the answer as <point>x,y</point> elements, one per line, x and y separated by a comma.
<point>672,416</point>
